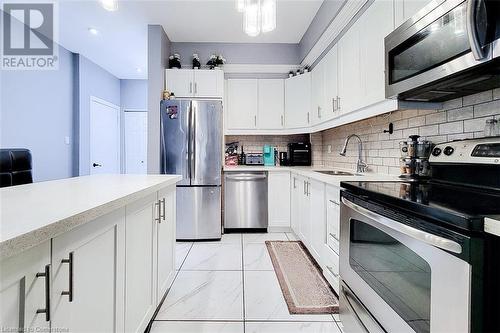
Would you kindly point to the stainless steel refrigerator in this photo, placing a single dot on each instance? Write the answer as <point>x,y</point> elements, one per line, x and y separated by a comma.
<point>191,146</point>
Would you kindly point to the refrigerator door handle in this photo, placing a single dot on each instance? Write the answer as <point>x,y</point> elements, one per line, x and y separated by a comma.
<point>193,142</point>
<point>190,130</point>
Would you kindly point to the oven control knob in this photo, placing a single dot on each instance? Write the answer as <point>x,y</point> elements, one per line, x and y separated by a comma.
<point>448,150</point>
<point>436,151</point>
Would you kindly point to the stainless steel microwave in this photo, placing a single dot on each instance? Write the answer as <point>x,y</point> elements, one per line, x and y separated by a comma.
<point>449,49</point>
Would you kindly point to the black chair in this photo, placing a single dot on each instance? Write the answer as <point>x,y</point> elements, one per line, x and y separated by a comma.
<point>15,167</point>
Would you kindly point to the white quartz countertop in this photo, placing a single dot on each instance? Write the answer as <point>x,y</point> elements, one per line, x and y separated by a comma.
<point>311,172</point>
<point>34,213</point>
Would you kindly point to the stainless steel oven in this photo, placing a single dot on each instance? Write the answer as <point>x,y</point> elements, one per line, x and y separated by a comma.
<point>449,49</point>
<point>399,274</point>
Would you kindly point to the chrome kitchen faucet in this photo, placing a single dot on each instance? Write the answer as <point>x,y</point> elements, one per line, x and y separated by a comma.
<point>360,165</point>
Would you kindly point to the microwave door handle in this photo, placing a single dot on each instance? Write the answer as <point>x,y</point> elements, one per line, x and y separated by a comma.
<point>475,45</point>
<point>423,236</point>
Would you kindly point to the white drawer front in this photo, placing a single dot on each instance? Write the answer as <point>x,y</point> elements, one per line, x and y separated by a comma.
<point>331,267</point>
<point>333,225</point>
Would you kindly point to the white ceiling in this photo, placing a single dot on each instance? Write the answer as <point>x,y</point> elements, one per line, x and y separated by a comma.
<point>121,45</point>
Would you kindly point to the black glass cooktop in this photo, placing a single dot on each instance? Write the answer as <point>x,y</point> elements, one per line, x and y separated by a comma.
<point>463,207</point>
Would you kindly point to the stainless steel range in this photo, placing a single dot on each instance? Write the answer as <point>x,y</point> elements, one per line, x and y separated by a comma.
<point>415,256</point>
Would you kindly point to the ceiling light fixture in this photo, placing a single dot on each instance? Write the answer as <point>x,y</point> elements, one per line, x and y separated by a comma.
<point>110,5</point>
<point>93,31</point>
<point>259,15</point>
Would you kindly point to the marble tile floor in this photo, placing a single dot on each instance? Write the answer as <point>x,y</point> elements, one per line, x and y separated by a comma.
<point>230,286</point>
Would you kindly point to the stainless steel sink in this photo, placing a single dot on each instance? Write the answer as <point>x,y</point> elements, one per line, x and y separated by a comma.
<point>337,173</point>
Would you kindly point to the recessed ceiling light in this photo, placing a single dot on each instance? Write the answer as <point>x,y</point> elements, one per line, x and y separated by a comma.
<point>93,31</point>
<point>110,5</point>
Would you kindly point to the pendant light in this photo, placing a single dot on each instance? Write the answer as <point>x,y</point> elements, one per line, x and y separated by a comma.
<point>259,15</point>
<point>252,18</point>
<point>268,15</point>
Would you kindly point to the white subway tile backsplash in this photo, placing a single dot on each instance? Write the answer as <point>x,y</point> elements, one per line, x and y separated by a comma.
<point>496,93</point>
<point>435,118</point>
<point>416,122</point>
<point>487,109</point>
<point>481,97</point>
<point>451,128</point>
<point>428,130</point>
<point>460,114</point>
<point>475,125</point>
<point>453,104</point>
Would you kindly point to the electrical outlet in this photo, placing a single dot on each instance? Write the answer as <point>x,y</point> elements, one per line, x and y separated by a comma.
<point>329,148</point>
<point>66,140</point>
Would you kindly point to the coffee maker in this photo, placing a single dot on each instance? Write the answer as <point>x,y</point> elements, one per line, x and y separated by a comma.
<point>414,160</point>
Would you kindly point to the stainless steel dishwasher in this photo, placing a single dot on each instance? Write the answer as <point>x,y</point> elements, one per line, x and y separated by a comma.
<point>245,200</point>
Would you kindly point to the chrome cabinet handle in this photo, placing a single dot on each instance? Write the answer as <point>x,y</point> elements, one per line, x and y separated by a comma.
<point>334,237</point>
<point>319,112</point>
<point>333,104</point>
<point>190,87</point>
<point>45,274</point>
<point>255,120</point>
<point>196,87</point>
<point>282,120</point>
<point>163,210</point>
<point>294,185</point>
<point>22,303</point>
<point>308,120</point>
<point>338,103</point>
<point>158,210</point>
<point>333,202</point>
<point>474,42</point>
<point>423,236</point>
<point>331,271</point>
<point>69,292</point>
<point>305,192</point>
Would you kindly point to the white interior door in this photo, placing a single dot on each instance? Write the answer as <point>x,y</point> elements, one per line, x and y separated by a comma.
<point>136,136</point>
<point>104,137</point>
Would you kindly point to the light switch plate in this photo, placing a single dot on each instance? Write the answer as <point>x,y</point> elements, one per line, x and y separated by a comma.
<point>329,148</point>
<point>66,140</point>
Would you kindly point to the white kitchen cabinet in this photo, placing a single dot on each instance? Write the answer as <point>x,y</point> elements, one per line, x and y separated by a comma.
<point>304,214</point>
<point>404,9</point>
<point>140,257</point>
<point>298,101</point>
<point>23,293</point>
<point>208,83</point>
<point>318,76</point>
<point>331,84</point>
<point>330,267</point>
<point>271,104</point>
<point>279,200</point>
<point>242,98</point>
<point>374,25</point>
<point>88,276</point>
<point>349,72</point>
<point>316,198</point>
<point>333,217</point>
<point>297,197</point>
<point>201,83</point>
<point>165,242</point>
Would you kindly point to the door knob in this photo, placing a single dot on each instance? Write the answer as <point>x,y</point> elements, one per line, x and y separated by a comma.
<point>96,165</point>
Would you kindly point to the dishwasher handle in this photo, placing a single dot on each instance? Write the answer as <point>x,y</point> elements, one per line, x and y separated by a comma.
<point>246,177</point>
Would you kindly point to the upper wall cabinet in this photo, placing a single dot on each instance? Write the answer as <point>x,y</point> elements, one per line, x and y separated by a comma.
<point>241,111</point>
<point>254,105</point>
<point>374,25</point>
<point>201,83</point>
<point>298,101</point>
<point>404,9</point>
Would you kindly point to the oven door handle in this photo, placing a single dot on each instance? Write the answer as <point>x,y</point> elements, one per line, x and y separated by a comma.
<point>475,45</point>
<point>434,240</point>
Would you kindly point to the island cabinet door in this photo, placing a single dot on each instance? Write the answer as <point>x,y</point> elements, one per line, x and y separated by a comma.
<point>24,285</point>
<point>165,242</point>
<point>88,276</point>
<point>140,261</point>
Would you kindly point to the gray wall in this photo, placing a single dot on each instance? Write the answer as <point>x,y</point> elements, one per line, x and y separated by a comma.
<point>158,52</point>
<point>92,81</point>
<point>325,15</point>
<point>239,53</point>
<point>37,113</point>
<point>134,94</point>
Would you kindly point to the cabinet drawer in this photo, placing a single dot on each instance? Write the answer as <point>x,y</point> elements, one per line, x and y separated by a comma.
<point>333,194</point>
<point>331,267</point>
<point>333,224</point>
<point>332,237</point>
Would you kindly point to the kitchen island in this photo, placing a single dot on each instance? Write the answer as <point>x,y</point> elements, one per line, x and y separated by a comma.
<point>92,253</point>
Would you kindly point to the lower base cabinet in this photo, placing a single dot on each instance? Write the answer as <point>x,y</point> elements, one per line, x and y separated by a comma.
<point>108,275</point>
<point>165,242</point>
<point>23,291</point>
<point>88,276</point>
<point>140,297</point>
